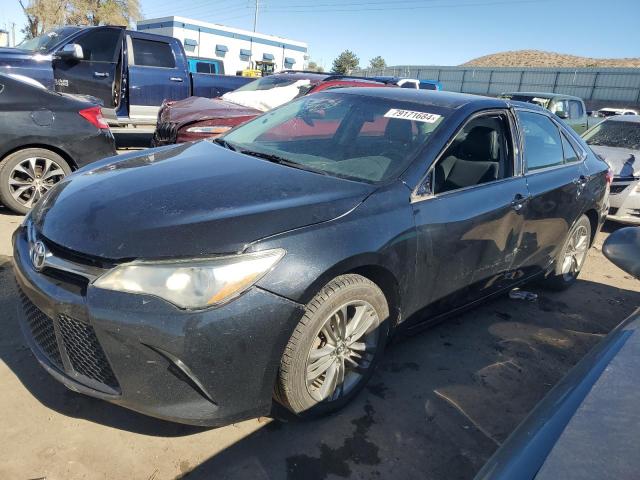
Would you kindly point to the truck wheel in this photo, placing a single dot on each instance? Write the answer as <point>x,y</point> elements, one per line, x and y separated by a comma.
<point>572,256</point>
<point>28,174</point>
<point>334,349</point>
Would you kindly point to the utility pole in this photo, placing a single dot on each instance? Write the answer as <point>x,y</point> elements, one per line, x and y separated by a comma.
<point>13,34</point>
<point>255,16</point>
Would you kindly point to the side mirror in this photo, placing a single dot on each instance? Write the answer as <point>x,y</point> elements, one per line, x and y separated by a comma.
<point>622,248</point>
<point>562,115</point>
<point>71,51</point>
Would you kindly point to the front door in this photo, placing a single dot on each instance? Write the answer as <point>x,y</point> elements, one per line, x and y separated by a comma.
<point>469,224</point>
<point>97,73</point>
<point>555,177</point>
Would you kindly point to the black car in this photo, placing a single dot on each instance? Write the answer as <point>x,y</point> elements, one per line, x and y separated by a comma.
<point>44,136</point>
<point>198,282</point>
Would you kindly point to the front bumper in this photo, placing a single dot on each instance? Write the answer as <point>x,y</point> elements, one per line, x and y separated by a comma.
<point>625,201</point>
<point>210,367</point>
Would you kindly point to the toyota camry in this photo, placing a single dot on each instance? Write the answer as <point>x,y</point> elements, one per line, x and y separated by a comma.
<point>201,282</point>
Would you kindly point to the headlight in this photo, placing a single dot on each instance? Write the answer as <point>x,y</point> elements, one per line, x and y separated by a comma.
<point>192,283</point>
<point>213,129</point>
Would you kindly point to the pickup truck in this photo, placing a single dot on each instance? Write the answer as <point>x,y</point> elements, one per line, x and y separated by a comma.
<point>130,72</point>
<point>567,107</point>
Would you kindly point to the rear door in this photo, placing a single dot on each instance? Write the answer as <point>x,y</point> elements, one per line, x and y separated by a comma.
<point>469,222</point>
<point>556,178</point>
<point>157,72</point>
<point>97,74</point>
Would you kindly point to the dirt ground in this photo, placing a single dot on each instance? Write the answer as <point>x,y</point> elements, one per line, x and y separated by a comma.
<point>438,407</point>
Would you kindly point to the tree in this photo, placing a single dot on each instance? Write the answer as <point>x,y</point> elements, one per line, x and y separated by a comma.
<point>377,63</point>
<point>314,67</point>
<point>346,62</point>
<point>103,12</point>
<point>43,15</point>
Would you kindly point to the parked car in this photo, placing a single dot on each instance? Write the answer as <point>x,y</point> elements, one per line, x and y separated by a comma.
<point>586,427</point>
<point>617,141</point>
<point>567,107</point>
<point>410,83</point>
<point>44,136</point>
<point>610,112</point>
<point>203,280</point>
<point>196,118</point>
<point>130,72</point>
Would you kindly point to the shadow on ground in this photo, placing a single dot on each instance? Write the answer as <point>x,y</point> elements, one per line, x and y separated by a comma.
<point>441,402</point>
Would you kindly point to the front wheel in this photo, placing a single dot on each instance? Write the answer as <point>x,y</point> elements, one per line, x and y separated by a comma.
<point>335,347</point>
<point>569,262</point>
<point>28,174</point>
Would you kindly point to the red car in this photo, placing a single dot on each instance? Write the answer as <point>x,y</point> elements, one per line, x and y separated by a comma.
<point>196,118</point>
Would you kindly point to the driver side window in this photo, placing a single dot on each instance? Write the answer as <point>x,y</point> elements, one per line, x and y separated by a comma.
<point>480,153</point>
<point>100,45</point>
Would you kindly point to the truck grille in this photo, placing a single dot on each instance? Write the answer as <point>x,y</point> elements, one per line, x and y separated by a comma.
<point>75,339</point>
<point>167,132</point>
<point>618,188</point>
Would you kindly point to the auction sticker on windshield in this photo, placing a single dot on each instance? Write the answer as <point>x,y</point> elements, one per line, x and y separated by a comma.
<point>411,115</point>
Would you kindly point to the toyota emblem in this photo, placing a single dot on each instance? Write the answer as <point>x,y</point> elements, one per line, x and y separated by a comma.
<point>38,255</point>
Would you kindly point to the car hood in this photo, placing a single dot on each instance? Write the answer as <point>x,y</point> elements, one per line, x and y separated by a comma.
<point>189,200</point>
<point>624,162</point>
<point>196,109</point>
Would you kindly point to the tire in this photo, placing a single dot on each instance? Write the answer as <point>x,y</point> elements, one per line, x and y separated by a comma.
<point>560,278</point>
<point>17,170</point>
<point>316,332</point>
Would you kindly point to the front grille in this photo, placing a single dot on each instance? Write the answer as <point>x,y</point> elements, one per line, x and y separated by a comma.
<point>75,339</point>
<point>42,330</point>
<point>85,353</point>
<point>618,188</point>
<point>167,132</point>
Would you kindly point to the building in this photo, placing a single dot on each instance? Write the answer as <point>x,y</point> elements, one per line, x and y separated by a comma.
<point>238,48</point>
<point>4,38</point>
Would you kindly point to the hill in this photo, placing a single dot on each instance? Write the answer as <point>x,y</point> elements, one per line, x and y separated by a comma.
<point>538,58</point>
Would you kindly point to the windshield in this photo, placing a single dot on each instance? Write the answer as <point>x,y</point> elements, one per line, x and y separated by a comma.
<point>353,136</point>
<point>615,134</point>
<point>44,42</point>
<point>267,83</point>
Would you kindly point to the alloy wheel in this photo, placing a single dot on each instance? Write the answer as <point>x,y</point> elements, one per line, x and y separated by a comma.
<point>342,351</point>
<point>30,179</point>
<point>575,251</point>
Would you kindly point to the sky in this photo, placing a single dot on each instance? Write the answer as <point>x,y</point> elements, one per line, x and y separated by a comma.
<point>418,32</point>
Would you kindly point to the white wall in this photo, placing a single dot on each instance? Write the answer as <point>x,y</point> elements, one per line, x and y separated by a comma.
<point>234,39</point>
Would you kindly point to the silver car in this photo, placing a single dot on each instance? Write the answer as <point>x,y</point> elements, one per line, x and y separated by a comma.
<point>617,141</point>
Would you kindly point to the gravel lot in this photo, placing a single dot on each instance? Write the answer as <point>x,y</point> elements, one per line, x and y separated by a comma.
<point>438,407</point>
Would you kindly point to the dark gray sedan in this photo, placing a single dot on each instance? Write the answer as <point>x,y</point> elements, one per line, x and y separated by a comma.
<point>199,282</point>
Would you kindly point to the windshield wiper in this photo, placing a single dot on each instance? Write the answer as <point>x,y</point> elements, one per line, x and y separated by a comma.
<point>281,160</point>
<point>223,143</point>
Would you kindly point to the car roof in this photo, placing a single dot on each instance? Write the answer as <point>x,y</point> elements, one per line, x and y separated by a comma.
<point>543,95</point>
<point>443,99</point>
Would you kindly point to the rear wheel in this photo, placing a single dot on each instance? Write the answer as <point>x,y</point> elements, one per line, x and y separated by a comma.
<point>28,174</point>
<point>335,347</point>
<point>569,263</point>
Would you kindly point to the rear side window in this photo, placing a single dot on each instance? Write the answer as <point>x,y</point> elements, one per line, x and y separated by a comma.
<point>149,53</point>
<point>542,142</point>
<point>202,67</point>
<point>427,86</point>
<point>570,154</point>
<point>100,45</point>
<point>575,109</point>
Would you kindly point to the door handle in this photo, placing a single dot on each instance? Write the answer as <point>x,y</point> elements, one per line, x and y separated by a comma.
<point>518,202</point>
<point>100,74</point>
<point>176,79</point>
<point>581,181</point>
